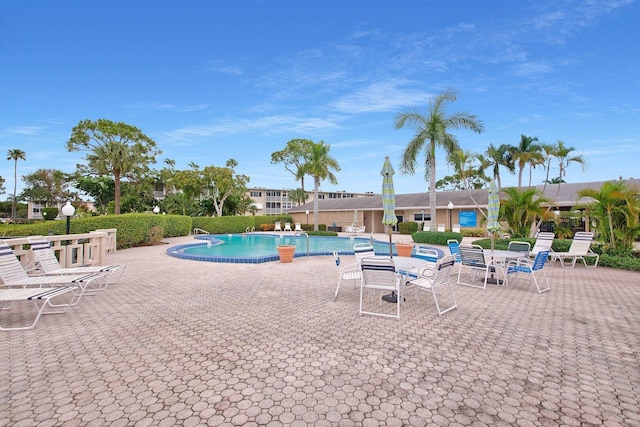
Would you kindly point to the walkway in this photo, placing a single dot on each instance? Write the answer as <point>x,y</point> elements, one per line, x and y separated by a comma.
<point>189,343</point>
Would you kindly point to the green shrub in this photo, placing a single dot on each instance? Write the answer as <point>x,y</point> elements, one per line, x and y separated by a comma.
<point>49,214</point>
<point>435,237</point>
<point>408,227</point>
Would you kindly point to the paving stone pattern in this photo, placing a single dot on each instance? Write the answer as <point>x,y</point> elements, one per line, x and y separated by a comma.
<point>190,343</point>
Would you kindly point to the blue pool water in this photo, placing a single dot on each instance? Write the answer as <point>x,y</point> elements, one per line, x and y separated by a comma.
<point>257,248</point>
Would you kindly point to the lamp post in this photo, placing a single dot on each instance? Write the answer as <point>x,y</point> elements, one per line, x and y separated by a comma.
<point>156,209</point>
<point>68,210</point>
<point>450,206</point>
<point>307,219</point>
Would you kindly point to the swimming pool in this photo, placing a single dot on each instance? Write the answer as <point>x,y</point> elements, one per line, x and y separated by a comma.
<point>258,248</point>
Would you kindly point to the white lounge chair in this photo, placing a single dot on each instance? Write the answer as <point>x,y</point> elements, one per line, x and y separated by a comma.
<point>40,297</point>
<point>13,275</point>
<point>441,228</point>
<point>298,227</point>
<point>48,264</point>
<point>287,226</point>
<point>455,228</point>
<point>277,226</point>
<point>544,240</point>
<point>579,250</point>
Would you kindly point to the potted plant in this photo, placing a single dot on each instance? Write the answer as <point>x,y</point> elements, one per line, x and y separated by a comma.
<point>404,249</point>
<point>286,252</point>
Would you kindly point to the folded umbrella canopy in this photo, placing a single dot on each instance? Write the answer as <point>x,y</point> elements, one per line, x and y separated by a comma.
<point>388,199</point>
<point>493,209</point>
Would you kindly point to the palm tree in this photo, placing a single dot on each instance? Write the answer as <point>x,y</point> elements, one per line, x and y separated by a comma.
<point>320,165</point>
<point>615,209</point>
<point>431,132</point>
<point>526,153</point>
<point>496,157</point>
<point>15,155</point>
<point>520,209</point>
<point>562,153</point>
<point>299,196</point>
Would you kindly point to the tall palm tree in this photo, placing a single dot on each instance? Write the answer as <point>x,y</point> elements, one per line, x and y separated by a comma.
<point>431,132</point>
<point>563,154</point>
<point>320,165</point>
<point>495,157</point>
<point>15,155</point>
<point>527,152</point>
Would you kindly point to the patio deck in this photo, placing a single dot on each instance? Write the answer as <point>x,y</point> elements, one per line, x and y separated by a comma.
<point>190,343</point>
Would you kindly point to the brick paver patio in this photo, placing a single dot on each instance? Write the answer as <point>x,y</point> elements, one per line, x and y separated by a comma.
<point>180,342</point>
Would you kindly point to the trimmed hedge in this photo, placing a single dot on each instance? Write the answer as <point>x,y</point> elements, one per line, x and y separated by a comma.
<point>435,237</point>
<point>408,227</point>
<point>238,224</point>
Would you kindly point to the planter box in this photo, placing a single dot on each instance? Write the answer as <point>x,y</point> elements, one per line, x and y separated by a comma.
<point>336,229</point>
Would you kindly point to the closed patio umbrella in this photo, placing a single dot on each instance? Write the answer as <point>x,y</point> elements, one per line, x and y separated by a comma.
<point>493,209</point>
<point>388,199</point>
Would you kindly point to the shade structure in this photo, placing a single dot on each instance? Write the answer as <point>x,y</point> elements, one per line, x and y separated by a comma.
<point>493,209</point>
<point>388,199</point>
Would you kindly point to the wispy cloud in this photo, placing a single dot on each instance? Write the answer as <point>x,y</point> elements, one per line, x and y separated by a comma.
<point>223,68</point>
<point>380,97</point>
<point>266,125</point>
<point>152,106</point>
<point>23,130</point>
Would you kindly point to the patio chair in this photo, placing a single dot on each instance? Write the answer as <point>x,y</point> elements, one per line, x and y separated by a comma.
<point>454,249</point>
<point>346,272</point>
<point>543,242</point>
<point>441,228</point>
<point>277,226</point>
<point>472,258</point>
<point>433,280</point>
<point>298,227</point>
<point>48,265</point>
<point>517,246</point>
<point>427,254</point>
<point>579,250</point>
<point>535,267</point>
<point>455,228</point>
<point>40,297</point>
<point>379,274</point>
<point>13,275</point>
<point>287,226</point>
<point>362,250</point>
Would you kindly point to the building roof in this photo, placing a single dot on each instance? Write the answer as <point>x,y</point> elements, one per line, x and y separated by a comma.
<point>563,195</point>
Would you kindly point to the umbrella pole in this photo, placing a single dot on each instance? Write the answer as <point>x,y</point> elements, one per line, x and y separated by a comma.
<point>390,244</point>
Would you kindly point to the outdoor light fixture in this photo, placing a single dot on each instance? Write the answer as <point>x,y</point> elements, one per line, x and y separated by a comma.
<point>307,219</point>
<point>450,206</point>
<point>68,210</point>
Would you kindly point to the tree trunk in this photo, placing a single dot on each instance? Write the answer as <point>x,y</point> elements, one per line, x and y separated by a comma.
<point>116,180</point>
<point>432,186</point>
<point>316,182</point>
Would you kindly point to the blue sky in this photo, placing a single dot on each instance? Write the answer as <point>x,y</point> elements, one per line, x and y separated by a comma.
<point>213,80</point>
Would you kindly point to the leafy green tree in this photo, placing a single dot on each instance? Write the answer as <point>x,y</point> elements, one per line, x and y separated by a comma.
<point>2,189</point>
<point>15,155</point>
<point>320,166</point>
<point>117,149</point>
<point>527,152</point>
<point>101,189</point>
<point>296,153</point>
<point>520,209</point>
<point>432,131</point>
<point>616,211</point>
<point>178,204</point>
<point>47,185</point>
<point>222,183</point>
